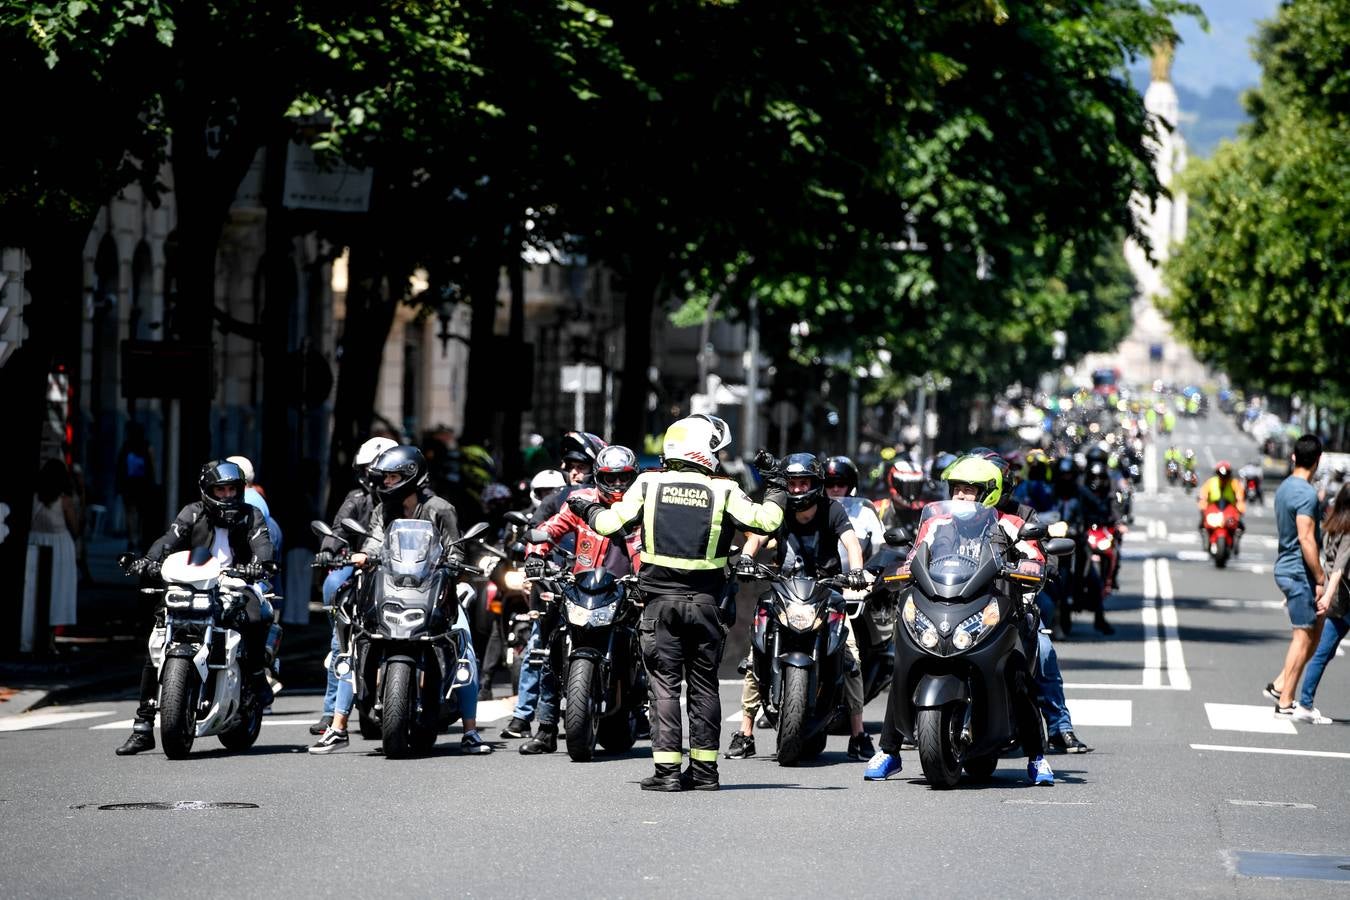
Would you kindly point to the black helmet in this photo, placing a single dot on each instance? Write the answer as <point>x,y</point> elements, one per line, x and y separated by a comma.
<point>841,470</point>
<point>1096,453</point>
<point>1098,478</point>
<point>804,465</point>
<point>228,512</point>
<point>406,462</point>
<point>581,446</point>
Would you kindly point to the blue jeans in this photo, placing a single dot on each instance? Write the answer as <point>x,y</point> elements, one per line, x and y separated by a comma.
<point>1332,633</point>
<point>335,580</point>
<point>537,686</point>
<point>1051,683</point>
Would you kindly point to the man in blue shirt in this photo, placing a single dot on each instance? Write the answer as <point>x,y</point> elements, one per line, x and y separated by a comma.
<point>1298,569</point>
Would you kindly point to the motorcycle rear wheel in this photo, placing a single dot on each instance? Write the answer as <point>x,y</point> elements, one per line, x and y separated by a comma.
<point>245,733</point>
<point>618,733</point>
<point>981,768</point>
<point>581,719</point>
<point>396,723</point>
<point>937,751</point>
<point>179,687</point>
<point>792,716</point>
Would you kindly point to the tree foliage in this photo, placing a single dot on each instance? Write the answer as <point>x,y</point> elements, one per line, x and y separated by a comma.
<point>1259,288</point>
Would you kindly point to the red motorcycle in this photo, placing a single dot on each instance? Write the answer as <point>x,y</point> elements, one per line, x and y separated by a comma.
<point>1221,527</point>
<point>1102,540</point>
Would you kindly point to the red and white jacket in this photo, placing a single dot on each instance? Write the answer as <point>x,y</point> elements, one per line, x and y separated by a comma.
<point>594,550</point>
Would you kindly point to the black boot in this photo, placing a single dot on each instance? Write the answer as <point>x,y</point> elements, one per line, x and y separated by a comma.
<point>142,739</point>
<point>546,741</point>
<point>666,778</point>
<point>700,776</point>
<point>1099,622</point>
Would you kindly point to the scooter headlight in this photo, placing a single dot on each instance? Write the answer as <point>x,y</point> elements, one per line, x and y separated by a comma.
<point>969,632</point>
<point>920,628</point>
<point>1214,519</point>
<point>798,616</point>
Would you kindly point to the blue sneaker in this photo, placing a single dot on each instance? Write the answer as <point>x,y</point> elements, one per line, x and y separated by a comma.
<point>881,766</point>
<point>1039,772</point>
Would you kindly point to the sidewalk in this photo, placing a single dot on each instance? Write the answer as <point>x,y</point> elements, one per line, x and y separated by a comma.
<point>106,649</point>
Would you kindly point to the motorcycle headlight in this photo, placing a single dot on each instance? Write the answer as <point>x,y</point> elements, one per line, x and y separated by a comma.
<point>798,616</point>
<point>397,616</point>
<point>918,626</point>
<point>1214,519</point>
<point>178,599</point>
<point>514,579</point>
<point>1059,529</point>
<point>201,602</point>
<point>969,632</point>
<point>590,618</point>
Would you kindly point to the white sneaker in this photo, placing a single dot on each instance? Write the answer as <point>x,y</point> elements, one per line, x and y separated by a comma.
<point>1311,716</point>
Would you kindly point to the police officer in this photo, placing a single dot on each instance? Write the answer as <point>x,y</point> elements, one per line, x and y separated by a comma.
<point>689,519</point>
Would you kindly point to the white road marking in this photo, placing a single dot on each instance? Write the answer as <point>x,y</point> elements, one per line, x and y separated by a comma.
<point>25,721</point>
<point>495,710</point>
<point>1237,717</point>
<point>1112,686</point>
<point>1177,675</point>
<point>1162,529</point>
<point>1101,713</point>
<point>1274,804</point>
<point>1149,613</point>
<point>1228,603</point>
<point>268,722</point>
<point>1275,751</point>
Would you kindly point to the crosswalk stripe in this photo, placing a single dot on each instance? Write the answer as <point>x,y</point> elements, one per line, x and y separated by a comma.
<point>1237,717</point>
<point>25,721</point>
<point>1100,713</point>
<point>1277,751</point>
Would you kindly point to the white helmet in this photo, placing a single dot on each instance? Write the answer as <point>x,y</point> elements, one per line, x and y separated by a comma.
<point>545,483</point>
<point>721,431</point>
<point>244,466</point>
<point>366,453</point>
<point>691,441</point>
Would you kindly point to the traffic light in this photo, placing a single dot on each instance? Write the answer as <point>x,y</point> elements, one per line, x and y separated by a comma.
<point>13,298</point>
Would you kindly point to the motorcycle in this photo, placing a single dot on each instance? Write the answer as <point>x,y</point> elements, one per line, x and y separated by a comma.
<point>411,649</point>
<point>873,617</point>
<point>1252,489</point>
<point>1221,529</point>
<point>799,657</point>
<point>1173,471</point>
<point>499,612</point>
<point>595,656</point>
<point>1189,480</point>
<point>1102,544</point>
<point>963,654</point>
<point>203,689</point>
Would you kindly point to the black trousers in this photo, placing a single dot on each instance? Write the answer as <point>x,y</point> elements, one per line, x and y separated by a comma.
<point>682,640</point>
<point>254,634</point>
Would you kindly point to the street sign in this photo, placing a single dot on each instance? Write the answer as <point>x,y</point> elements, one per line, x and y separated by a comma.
<point>581,379</point>
<point>1155,352</point>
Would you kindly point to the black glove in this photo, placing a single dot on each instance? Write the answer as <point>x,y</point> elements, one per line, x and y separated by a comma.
<point>745,567</point>
<point>143,566</point>
<point>770,470</point>
<point>251,571</point>
<point>584,508</point>
<point>535,567</point>
<point>857,579</point>
<point>325,559</point>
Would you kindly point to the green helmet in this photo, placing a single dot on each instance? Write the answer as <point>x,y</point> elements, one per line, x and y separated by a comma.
<point>980,472</point>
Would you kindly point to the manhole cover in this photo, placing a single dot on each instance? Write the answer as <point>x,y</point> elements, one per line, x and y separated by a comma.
<point>171,806</point>
<point>1255,864</point>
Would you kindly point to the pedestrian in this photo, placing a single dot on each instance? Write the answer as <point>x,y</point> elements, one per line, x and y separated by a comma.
<point>50,573</point>
<point>1334,603</point>
<point>135,480</point>
<point>1298,568</point>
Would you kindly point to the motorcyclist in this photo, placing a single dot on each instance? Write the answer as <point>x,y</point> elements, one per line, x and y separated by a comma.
<point>689,520</point>
<point>236,534</point>
<point>977,480</point>
<point>399,477</point>
<point>615,472</point>
<point>1071,505</point>
<point>1255,473</point>
<point>816,536</point>
<point>841,485</point>
<point>1101,508</point>
<point>543,485</point>
<point>1188,460</point>
<point>1036,491</point>
<point>576,471</point>
<point>357,506</point>
<point>1222,488</point>
<point>905,483</point>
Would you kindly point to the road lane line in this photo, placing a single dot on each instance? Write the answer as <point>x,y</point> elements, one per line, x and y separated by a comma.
<point>1274,751</point>
<point>1149,613</point>
<point>268,722</point>
<point>1150,469</point>
<point>1177,675</point>
<point>1112,686</point>
<point>1240,717</point>
<point>1100,713</point>
<point>25,721</point>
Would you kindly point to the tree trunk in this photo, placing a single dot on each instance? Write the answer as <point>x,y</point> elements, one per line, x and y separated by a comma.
<point>480,405</point>
<point>513,464</point>
<point>370,315</point>
<point>630,413</point>
<point>56,285</point>
<point>279,447</point>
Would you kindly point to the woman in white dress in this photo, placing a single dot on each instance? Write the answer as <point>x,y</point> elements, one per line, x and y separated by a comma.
<point>50,574</point>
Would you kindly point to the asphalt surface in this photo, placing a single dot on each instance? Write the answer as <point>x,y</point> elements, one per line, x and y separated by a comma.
<point>1155,810</point>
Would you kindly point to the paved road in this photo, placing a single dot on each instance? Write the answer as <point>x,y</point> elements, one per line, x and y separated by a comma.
<point>1190,770</point>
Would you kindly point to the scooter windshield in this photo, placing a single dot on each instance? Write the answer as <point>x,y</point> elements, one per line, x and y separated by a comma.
<point>956,533</point>
<point>411,548</point>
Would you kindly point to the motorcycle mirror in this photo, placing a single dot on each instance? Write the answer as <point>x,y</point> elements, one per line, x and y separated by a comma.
<point>1031,531</point>
<point>320,528</point>
<point>517,518</point>
<point>897,536</point>
<point>472,533</point>
<point>355,527</point>
<point>1059,546</point>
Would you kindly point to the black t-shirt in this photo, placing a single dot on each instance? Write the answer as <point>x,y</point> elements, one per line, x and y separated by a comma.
<point>815,542</point>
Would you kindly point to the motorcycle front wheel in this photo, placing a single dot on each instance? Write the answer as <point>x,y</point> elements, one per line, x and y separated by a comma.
<point>936,732</point>
<point>581,719</point>
<point>1220,551</point>
<point>396,721</point>
<point>179,687</point>
<point>792,717</point>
